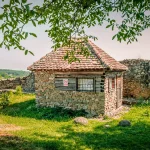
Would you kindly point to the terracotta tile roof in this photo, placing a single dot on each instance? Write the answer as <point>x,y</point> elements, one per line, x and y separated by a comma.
<point>54,61</point>
<point>107,59</point>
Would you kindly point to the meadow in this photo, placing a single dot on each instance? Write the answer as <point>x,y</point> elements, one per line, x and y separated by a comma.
<point>25,127</point>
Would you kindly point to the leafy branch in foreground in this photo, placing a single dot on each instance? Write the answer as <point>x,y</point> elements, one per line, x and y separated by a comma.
<point>69,18</point>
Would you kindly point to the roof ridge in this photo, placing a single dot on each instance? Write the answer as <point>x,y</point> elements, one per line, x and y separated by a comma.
<point>109,63</point>
<point>98,57</point>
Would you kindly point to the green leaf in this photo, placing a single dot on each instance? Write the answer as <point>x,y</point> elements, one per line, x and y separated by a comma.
<point>113,27</point>
<point>5,6</point>
<point>33,34</point>
<point>114,37</point>
<point>17,1</point>
<point>1,44</point>
<point>28,9</point>
<point>1,16</point>
<point>108,26</point>
<point>26,52</point>
<point>24,1</point>
<point>33,23</point>
<point>26,35</point>
<point>31,53</point>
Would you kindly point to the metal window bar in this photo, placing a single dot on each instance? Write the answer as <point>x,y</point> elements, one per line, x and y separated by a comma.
<point>85,84</point>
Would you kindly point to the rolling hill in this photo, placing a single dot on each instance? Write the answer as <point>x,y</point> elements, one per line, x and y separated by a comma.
<point>6,73</point>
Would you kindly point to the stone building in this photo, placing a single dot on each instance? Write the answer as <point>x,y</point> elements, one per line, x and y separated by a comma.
<point>95,84</point>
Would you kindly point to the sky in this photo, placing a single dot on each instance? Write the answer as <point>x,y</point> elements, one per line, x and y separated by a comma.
<point>40,46</point>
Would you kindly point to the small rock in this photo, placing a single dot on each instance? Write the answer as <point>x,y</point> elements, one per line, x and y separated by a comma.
<point>81,120</point>
<point>107,126</point>
<point>124,123</point>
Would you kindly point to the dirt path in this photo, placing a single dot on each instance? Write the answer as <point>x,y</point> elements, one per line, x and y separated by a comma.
<point>5,128</point>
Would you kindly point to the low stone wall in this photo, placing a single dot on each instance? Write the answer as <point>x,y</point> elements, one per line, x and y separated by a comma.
<point>11,83</point>
<point>137,78</point>
<point>27,83</point>
<point>6,90</point>
<point>47,95</point>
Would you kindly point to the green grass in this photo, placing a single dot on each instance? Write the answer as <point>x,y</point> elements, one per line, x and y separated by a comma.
<point>53,129</point>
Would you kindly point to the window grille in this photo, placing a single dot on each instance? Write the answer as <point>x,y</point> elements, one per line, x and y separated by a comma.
<point>85,85</point>
<point>93,84</point>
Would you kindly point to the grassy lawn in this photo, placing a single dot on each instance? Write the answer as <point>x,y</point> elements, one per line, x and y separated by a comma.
<point>49,129</point>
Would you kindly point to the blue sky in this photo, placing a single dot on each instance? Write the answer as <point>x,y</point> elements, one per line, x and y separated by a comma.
<point>15,59</point>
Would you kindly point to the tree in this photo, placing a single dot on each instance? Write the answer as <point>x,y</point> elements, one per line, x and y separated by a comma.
<point>0,77</point>
<point>68,18</point>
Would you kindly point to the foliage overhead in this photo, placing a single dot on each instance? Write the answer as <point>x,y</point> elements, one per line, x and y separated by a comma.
<point>69,18</point>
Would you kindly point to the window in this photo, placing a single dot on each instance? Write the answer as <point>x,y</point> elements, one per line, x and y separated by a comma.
<point>85,85</point>
<point>111,84</point>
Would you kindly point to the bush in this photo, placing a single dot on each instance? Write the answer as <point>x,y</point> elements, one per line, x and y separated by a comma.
<point>146,113</point>
<point>105,117</point>
<point>18,90</point>
<point>10,94</point>
<point>4,100</point>
<point>60,112</point>
<point>136,90</point>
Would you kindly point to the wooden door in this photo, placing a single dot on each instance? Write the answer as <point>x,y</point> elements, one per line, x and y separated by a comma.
<point>119,90</point>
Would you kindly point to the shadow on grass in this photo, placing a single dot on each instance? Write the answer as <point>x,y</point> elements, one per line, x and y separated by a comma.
<point>136,137</point>
<point>18,143</point>
<point>28,109</point>
<point>15,143</point>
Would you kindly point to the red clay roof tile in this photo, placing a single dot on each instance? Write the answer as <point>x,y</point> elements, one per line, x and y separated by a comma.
<point>54,61</point>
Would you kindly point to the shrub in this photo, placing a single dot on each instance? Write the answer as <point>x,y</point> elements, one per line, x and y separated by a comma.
<point>10,94</point>
<point>4,100</point>
<point>18,90</point>
<point>60,112</point>
<point>105,117</point>
<point>146,113</point>
<point>136,90</point>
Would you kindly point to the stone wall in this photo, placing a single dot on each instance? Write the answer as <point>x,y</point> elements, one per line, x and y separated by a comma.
<point>27,83</point>
<point>94,103</point>
<point>112,102</point>
<point>47,95</point>
<point>137,78</point>
<point>10,83</point>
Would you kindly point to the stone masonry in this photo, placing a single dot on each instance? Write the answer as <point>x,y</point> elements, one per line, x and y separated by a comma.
<point>112,103</point>
<point>137,78</point>
<point>47,95</point>
<point>27,83</point>
<point>93,103</point>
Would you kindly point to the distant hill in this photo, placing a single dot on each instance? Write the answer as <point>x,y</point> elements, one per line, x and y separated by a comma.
<point>6,73</point>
